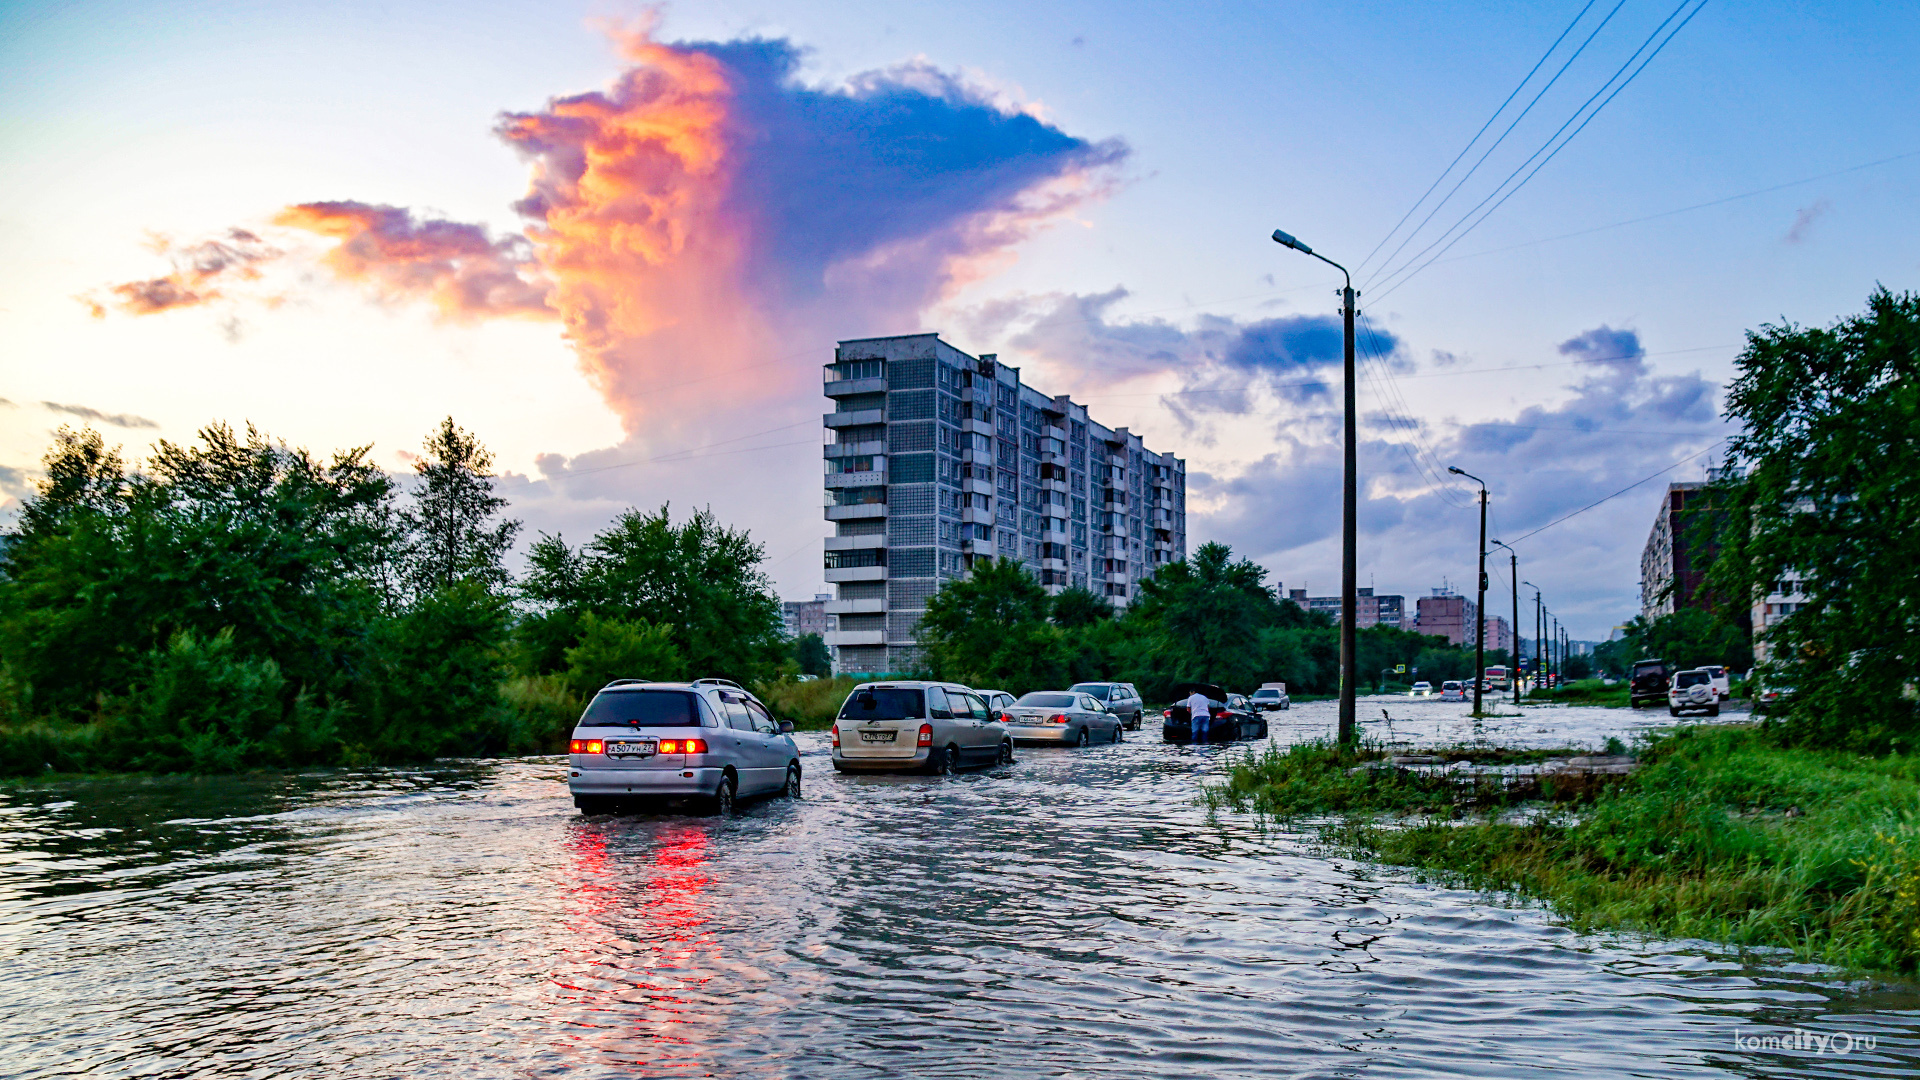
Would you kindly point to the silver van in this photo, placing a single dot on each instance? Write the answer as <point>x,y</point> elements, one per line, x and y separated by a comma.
<point>706,740</point>
<point>914,726</point>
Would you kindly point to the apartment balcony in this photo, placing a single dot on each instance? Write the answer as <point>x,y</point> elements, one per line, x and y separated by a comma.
<point>1053,536</point>
<point>977,515</point>
<point>873,606</point>
<point>977,457</point>
<point>856,637</point>
<point>857,449</point>
<point>855,419</point>
<point>977,546</point>
<point>856,512</point>
<point>855,543</point>
<point>1113,579</point>
<point>1054,564</point>
<point>1054,485</point>
<point>855,479</point>
<point>856,573</point>
<point>1054,431</point>
<point>850,387</point>
<point>977,426</point>
<point>977,485</point>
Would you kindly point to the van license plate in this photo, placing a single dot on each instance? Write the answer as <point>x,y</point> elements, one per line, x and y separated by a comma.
<point>641,748</point>
<point>877,736</point>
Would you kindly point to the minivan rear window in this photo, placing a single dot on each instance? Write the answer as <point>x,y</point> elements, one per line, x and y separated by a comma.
<point>884,703</point>
<point>1097,690</point>
<point>1047,701</point>
<point>646,708</point>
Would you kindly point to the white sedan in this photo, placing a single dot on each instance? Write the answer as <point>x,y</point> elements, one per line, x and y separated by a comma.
<point>1421,689</point>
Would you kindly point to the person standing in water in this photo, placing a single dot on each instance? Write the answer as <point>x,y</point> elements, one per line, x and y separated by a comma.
<point>1199,715</point>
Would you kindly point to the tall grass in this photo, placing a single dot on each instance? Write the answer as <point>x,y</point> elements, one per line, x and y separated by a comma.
<point>810,705</point>
<point>1722,834</point>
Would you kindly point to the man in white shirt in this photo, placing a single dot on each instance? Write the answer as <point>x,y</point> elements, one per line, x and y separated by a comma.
<point>1200,715</point>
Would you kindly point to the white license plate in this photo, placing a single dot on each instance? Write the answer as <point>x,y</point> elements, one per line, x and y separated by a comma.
<point>878,736</point>
<point>644,748</point>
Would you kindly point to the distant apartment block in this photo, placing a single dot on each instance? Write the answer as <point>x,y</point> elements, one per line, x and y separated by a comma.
<point>1499,635</point>
<point>1446,614</point>
<point>1783,598</point>
<point>1372,610</point>
<point>935,458</point>
<point>1673,565</point>
<point>805,617</point>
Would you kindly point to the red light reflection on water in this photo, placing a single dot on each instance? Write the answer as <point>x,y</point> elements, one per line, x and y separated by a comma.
<point>636,933</point>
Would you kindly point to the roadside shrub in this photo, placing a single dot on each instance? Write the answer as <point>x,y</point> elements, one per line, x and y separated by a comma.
<point>810,705</point>
<point>612,649</point>
<point>544,709</point>
<point>200,706</point>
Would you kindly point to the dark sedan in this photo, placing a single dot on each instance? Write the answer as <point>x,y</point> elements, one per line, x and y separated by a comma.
<point>1228,724</point>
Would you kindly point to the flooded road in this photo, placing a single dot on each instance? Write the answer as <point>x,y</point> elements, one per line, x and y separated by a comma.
<point>1075,915</point>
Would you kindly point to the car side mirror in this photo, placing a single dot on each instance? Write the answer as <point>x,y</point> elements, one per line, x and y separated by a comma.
<point>786,727</point>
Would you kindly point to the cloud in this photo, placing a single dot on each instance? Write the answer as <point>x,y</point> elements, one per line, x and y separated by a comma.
<point>710,213</point>
<point>125,420</point>
<point>201,273</point>
<point>1803,221</point>
<point>459,268</point>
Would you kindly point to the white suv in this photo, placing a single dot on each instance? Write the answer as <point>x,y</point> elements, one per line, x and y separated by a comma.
<point>706,740</point>
<point>1692,691</point>
<point>933,726</point>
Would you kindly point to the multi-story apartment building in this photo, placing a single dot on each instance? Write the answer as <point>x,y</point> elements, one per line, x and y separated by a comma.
<point>1383,610</point>
<point>807,616</point>
<point>1448,615</point>
<point>1782,599</point>
<point>935,458</point>
<point>1670,570</point>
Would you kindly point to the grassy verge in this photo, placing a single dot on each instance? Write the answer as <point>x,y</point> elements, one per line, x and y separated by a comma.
<point>810,705</point>
<point>1584,692</point>
<point>1720,835</point>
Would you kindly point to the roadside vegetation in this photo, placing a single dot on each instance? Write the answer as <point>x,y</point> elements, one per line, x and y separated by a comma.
<point>1721,834</point>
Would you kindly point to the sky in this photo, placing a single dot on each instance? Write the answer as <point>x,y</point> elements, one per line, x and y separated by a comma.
<point>616,242</point>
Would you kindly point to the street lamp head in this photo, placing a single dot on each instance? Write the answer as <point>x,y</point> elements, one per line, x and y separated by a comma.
<point>1456,469</point>
<point>1286,240</point>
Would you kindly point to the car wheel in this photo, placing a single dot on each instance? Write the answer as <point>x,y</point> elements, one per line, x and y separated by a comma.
<point>1713,710</point>
<point>1006,751</point>
<point>590,806</point>
<point>948,761</point>
<point>1673,710</point>
<point>793,781</point>
<point>723,796</point>
<point>1082,740</point>
<point>1119,732</point>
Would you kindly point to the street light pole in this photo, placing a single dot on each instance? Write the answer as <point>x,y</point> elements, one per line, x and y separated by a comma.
<point>1349,506</point>
<point>1514,556</point>
<point>1480,604</point>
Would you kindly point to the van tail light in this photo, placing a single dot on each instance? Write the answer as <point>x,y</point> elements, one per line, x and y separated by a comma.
<point>1057,718</point>
<point>834,733</point>
<point>586,746</point>
<point>577,746</point>
<point>926,735</point>
<point>683,746</point>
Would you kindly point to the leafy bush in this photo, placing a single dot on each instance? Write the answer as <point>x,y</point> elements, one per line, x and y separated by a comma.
<point>811,705</point>
<point>612,649</point>
<point>544,710</point>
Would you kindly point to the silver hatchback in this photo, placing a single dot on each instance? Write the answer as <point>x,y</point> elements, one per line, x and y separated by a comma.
<point>704,740</point>
<point>914,726</point>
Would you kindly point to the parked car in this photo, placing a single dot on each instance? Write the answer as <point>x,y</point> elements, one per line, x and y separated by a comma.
<point>1453,690</point>
<point>916,726</point>
<point>1227,724</point>
<point>702,740</point>
<point>998,701</point>
<point>1271,696</point>
<point>1721,679</point>
<point>1062,717</point>
<point>1649,682</point>
<point>1423,688</point>
<point>1692,691</point>
<point>1769,695</point>
<point>1121,699</point>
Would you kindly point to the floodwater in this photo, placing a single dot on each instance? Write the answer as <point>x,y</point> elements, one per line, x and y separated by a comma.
<point>1077,914</point>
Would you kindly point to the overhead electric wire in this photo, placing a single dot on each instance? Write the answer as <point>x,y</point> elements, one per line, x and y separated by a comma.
<point>1404,273</point>
<point>1622,491</point>
<point>1521,85</point>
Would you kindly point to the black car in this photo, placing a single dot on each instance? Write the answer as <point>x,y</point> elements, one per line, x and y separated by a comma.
<point>1648,682</point>
<point>1227,725</point>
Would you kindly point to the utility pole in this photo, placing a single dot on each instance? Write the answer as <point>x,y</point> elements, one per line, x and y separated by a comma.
<point>1480,603</point>
<point>1539,635</point>
<point>1349,509</point>
<point>1514,634</point>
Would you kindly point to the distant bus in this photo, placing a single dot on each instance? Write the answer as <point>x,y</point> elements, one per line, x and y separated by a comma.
<point>1497,677</point>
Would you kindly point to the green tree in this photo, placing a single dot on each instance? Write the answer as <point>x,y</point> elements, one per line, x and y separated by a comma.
<point>1079,606</point>
<point>1688,638</point>
<point>1205,615</point>
<point>810,655</point>
<point>1830,447</point>
<point>454,534</point>
<point>990,629</point>
<point>700,577</point>
<point>612,649</point>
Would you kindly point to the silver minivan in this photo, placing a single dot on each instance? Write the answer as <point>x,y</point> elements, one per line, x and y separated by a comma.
<point>706,740</point>
<point>911,726</point>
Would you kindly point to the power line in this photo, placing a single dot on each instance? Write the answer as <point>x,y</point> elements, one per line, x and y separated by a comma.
<point>1405,274</point>
<point>1621,492</point>
<point>1476,135</point>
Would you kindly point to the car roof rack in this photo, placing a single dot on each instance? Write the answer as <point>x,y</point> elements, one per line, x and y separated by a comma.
<point>626,682</point>
<point>717,682</point>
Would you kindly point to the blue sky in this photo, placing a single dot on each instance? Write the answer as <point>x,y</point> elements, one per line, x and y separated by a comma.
<point>1155,297</point>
